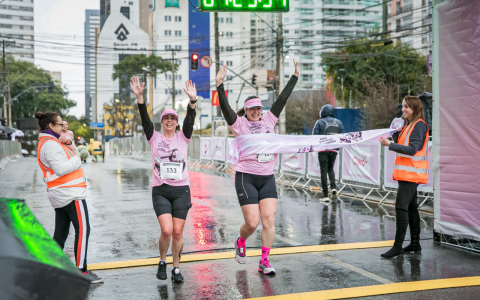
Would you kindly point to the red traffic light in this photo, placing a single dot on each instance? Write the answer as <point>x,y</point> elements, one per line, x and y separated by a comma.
<point>78,138</point>
<point>195,56</point>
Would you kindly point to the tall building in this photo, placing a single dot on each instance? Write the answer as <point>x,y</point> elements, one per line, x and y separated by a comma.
<point>92,21</point>
<point>121,36</point>
<point>410,21</point>
<point>309,28</point>
<point>17,25</point>
<point>136,11</point>
<point>56,76</point>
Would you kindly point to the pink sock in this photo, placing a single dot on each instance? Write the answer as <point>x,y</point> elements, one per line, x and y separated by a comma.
<point>265,252</point>
<point>241,242</point>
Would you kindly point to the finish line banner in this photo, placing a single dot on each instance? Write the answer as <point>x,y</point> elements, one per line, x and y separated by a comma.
<point>265,143</point>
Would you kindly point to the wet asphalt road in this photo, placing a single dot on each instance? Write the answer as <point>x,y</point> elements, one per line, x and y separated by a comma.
<point>124,226</point>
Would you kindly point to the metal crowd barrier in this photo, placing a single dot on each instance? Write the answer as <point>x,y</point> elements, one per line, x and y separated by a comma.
<point>9,151</point>
<point>366,165</point>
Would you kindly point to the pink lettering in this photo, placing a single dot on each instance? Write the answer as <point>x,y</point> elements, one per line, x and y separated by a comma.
<point>360,162</point>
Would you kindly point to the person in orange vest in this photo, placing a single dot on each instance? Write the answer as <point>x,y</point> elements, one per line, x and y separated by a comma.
<point>61,166</point>
<point>410,169</point>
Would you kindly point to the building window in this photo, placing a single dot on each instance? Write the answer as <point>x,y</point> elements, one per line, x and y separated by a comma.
<point>399,24</point>
<point>178,77</point>
<point>178,19</point>
<point>307,77</point>
<point>229,20</point>
<point>229,34</point>
<point>229,77</point>
<point>168,47</point>
<point>178,32</point>
<point>168,32</point>
<point>130,3</point>
<point>168,76</point>
<point>168,18</point>
<point>286,31</point>
<point>229,63</point>
<point>125,10</point>
<point>178,61</point>
<point>178,47</point>
<point>220,20</point>
<point>229,49</point>
<point>252,23</point>
<point>221,48</point>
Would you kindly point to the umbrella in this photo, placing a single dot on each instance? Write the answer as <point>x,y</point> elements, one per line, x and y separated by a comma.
<point>17,133</point>
<point>8,130</point>
<point>31,261</point>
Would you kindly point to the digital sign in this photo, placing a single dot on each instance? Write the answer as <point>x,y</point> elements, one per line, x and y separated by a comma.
<point>244,5</point>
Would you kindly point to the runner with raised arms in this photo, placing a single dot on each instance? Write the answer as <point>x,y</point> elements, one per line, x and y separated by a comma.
<point>170,181</point>
<point>254,179</point>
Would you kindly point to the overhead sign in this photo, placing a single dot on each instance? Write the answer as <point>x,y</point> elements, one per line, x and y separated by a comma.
<point>245,5</point>
<point>206,61</point>
<point>97,125</point>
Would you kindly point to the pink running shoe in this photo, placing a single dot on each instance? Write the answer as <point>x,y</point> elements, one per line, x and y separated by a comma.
<point>265,267</point>
<point>240,255</point>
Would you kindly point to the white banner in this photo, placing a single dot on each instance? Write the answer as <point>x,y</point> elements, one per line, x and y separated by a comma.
<point>388,163</point>
<point>277,163</point>
<point>229,144</point>
<point>294,162</point>
<point>314,166</point>
<point>206,148</point>
<point>361,163</point>
<point>218,147</point>
<point>275,143</point>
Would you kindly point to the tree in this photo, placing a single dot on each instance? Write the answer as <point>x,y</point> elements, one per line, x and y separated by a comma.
<point>80,127</point>
<point>368,60</point>
<point>25,77</point>
<point>133,66</point>
<point>302,110</point>
<point>381,104</point>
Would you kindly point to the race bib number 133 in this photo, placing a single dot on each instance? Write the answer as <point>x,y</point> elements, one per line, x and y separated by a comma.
<point>171,170</point>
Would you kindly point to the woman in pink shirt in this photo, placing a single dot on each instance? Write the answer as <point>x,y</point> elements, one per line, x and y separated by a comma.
<point>170,182</point>
<point>254,179</point>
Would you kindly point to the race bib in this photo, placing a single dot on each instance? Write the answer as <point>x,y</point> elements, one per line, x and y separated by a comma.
<point>265,157</point>
<point>171,170</point>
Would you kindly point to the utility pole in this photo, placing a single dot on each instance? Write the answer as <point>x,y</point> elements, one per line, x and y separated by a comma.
<point>9,105</point>
<point>279,70</point>
<point>385,17</point>
<point>3,82</point>
<point>342,93</point>
<point>217,54</point>
<point>173,79</point>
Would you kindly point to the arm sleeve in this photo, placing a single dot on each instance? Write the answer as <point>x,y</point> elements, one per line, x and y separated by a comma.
<point>417,139</point>
<point>281,101</point>
<point>58,160</point>
<point>228,113</point>
<point>147,124</point>
<point>342,129</point>
<point>188,122</point>
<point>316,128</point>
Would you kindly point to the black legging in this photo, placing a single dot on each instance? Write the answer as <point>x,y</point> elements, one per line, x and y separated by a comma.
<point>406,209</point>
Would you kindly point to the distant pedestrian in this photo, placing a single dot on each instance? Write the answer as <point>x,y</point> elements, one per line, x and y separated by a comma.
<point>60,163</point>
<point>327,125</point>
<point>66,132</point>
<point>410,169</point>
<point>221,128</point>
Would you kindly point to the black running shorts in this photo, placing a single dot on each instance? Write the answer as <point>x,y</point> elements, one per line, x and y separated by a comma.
<point>252,188</point>
<point>174,200</point>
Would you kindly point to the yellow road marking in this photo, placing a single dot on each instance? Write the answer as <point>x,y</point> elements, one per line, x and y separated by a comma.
<point>231,254</point>
<point>383,289</point>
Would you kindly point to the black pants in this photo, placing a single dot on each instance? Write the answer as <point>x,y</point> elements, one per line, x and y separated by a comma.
<point>327,160</point>
<point>76,213</point>
<point>406,210</point>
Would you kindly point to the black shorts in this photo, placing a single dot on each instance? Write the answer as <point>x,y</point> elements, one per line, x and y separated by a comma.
<point>174,200</point>
<point>252,188</point>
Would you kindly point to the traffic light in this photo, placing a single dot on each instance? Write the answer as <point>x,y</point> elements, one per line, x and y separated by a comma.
<point>194,61</point>
<point>254,79</point>
<point>78,138</point>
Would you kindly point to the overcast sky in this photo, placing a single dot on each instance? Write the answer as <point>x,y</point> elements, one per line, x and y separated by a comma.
<point>59,35</point>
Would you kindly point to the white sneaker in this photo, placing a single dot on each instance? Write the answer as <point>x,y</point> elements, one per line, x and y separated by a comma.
<point>325,199</point>
<point>334,192</point>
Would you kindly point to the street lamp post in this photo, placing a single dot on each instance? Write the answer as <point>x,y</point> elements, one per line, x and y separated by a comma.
<point>341,80</point>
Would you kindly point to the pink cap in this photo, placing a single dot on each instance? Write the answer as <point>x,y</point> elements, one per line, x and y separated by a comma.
<point>253,102</point>
<point>169,111</point>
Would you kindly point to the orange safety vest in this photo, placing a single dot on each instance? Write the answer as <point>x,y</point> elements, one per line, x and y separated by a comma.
<point>411,168</point>
<point>63,181</point>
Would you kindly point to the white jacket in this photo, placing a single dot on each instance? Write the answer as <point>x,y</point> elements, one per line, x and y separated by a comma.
<point>54,157</point>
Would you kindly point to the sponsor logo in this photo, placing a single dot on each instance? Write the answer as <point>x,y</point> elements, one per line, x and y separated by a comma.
<point>121,33</point>
<point>360,161</point>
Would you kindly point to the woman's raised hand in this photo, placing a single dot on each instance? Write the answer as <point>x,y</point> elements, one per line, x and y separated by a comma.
<point>221,75</point>
<point>190,90</point>
<point>136,87</point>
<point>297,68</point>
